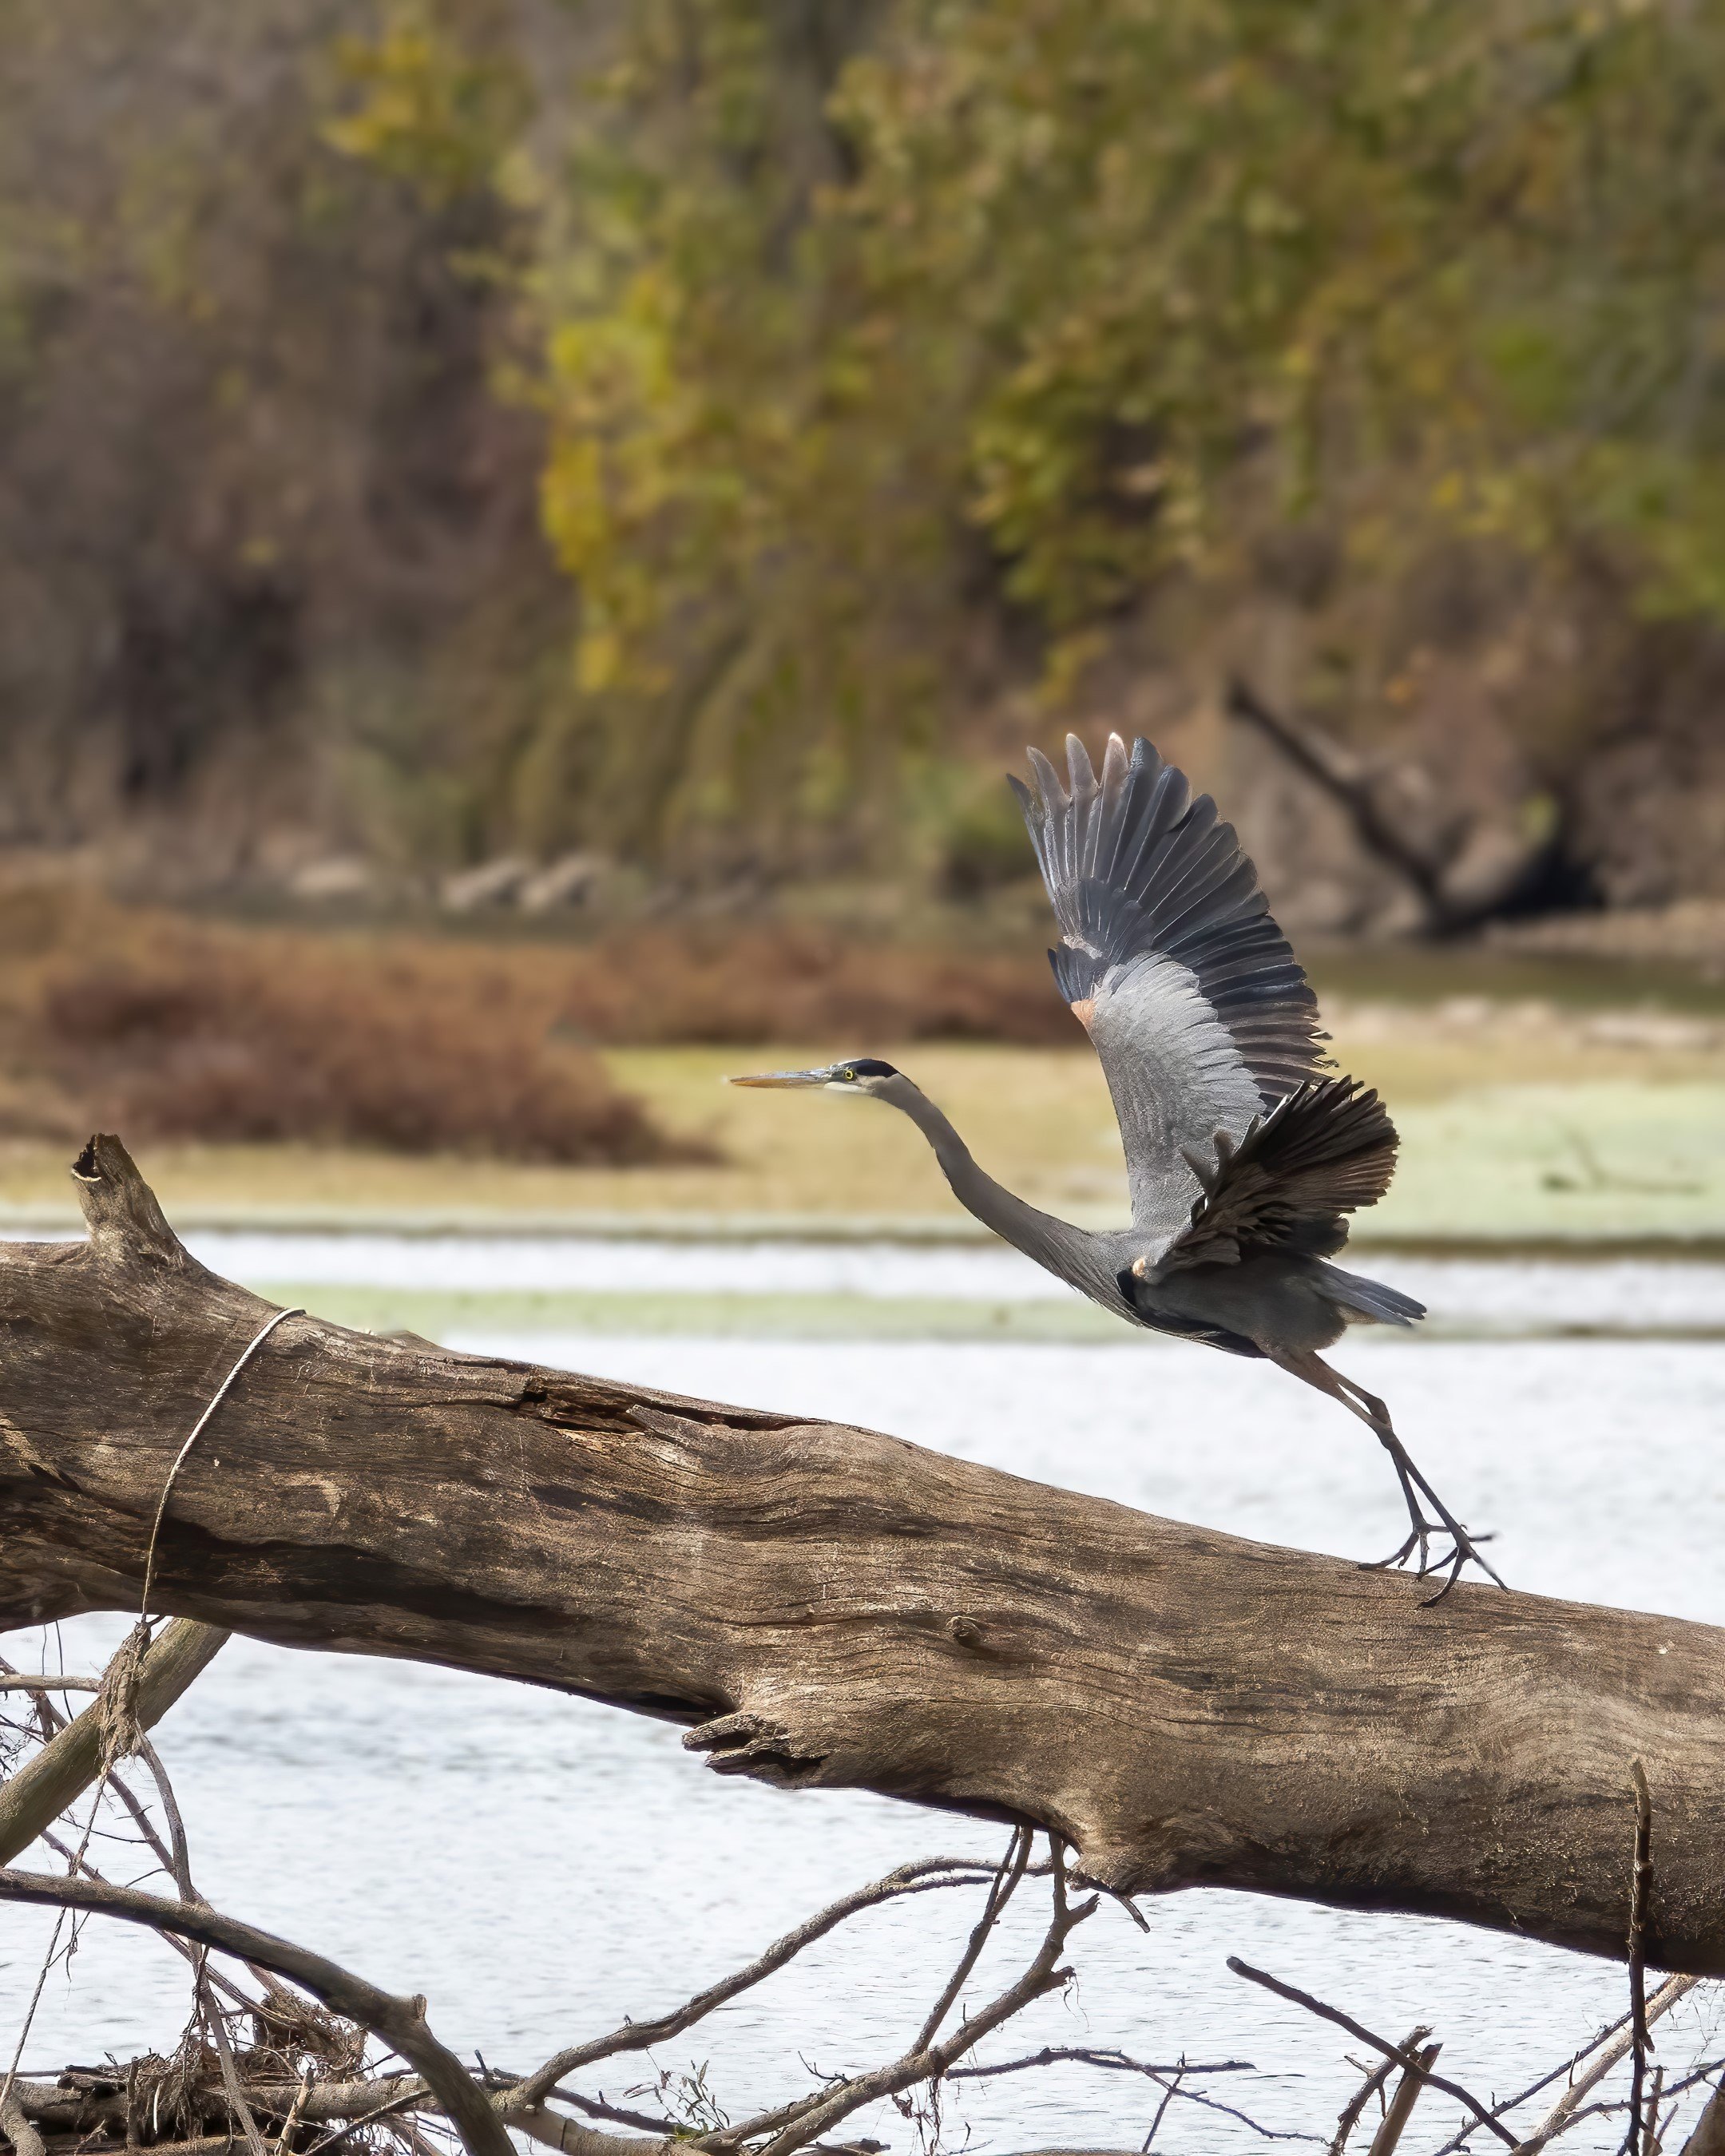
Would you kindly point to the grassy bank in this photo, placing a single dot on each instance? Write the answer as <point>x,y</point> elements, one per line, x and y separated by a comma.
<point>1518,1121</point>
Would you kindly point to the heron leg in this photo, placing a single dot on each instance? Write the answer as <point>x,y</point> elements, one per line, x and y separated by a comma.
<point>1463,1549</point>
<point>1464,1546</point>
<point>1420,1530</point>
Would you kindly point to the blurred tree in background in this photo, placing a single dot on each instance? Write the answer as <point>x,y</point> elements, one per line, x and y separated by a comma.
<point>265,531</point>
<point>873,373</point>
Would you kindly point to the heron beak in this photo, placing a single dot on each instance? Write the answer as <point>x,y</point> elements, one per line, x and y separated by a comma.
<point>783,1078</point>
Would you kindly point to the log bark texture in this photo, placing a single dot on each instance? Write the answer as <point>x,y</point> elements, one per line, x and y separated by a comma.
<point>831,1607</point>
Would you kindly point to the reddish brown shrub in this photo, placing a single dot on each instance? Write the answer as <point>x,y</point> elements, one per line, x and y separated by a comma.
<point>164,1027</point>
<point>220,1041</point>
<point>792,984</point>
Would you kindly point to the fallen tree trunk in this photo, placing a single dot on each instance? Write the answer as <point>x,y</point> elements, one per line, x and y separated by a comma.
<point>831,1607</point>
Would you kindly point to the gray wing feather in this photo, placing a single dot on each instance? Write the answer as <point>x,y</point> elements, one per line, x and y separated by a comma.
<point>1199,1011</point>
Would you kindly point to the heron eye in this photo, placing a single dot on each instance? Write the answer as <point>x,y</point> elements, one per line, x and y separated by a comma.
<point>848,1076</point>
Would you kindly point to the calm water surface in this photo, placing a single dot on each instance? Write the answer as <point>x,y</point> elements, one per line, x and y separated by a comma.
<point>539,1866</point>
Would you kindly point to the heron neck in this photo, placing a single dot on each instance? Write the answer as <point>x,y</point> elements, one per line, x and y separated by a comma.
<point>1054,1243</point>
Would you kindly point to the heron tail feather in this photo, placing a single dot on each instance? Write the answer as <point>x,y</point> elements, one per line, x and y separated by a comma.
<point>1369,1300</point>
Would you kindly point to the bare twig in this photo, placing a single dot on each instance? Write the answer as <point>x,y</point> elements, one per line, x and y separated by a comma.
<point>400,2022</point>
<point>1000,1892</point>
<point>1564,2113</point>
<point>795,2125</point>
<point>1703,2072</point>
<point>78,1861</point>
<point>174,1860</point>
<point>217,2028</point>
<point>1118,2063</point>
<point>54,1951</point>
<point>18,1683</point>
<point>926,1875</point>
<point>283,2139</point>
<point>1168,2094</point>
<point>178,1856</point>
<point>66,1766</point>
<point>401,2100</point>
<point>1466,2133</point>
<point>1405,2059</point>
<point>1112,2061</point>
<point>49,1719</point>
<point>590,2106</point>
<point>1636,2140</point>
<point>613,2114</point>
<point>1367,2089</point>
<point>1554,2073</point>
<point>161,1850</point>
<point>1395,2122</point>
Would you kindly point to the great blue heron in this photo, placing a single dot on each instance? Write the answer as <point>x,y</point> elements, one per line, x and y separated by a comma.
<point>1242,1157</point>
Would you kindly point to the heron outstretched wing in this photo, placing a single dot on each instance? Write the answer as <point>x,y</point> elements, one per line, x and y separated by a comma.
<point>1197,1007</point>
<point>1324,1150</point>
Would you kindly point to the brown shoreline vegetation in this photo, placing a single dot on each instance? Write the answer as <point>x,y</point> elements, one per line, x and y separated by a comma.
<point>189,1029</point>
<point>181,1027</point>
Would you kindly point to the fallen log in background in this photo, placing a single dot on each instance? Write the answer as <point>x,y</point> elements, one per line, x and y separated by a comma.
<point>831,1608</point>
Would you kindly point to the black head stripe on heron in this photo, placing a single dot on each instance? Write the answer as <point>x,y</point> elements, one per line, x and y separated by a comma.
<point>1245,1152</point>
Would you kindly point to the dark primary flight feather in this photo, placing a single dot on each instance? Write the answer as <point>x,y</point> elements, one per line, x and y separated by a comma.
<point>1326,1149</point>
<point>1206,1027</point>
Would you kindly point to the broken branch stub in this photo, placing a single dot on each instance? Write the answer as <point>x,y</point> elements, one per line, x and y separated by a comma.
<point>831,1608</point>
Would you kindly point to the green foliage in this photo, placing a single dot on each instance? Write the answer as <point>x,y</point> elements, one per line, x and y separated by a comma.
<point>859,359</point>
<point>1032,302</point>
<point>431,108</point>
<point>1472,254</point>
<point>743,478</point>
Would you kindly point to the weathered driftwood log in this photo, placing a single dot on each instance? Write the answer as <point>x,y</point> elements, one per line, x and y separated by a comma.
<point>828,1608</point>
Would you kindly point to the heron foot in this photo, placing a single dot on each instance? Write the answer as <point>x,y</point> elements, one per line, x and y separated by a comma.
<point>1463,1549</point>
<point>1417,1493</point>
<point>1420,1530</point>
<point>1418,1537</point>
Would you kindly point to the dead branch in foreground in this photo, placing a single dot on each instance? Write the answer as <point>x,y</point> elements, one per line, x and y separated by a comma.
<point>281,2065</point>
<point>300,2070</point>
<point>282,2037</point>
<point>828,1608</point>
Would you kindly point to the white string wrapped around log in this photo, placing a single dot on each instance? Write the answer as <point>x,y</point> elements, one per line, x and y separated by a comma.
<point>115,1706</point>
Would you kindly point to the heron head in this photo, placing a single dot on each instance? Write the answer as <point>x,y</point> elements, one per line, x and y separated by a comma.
<point>857,1074</point>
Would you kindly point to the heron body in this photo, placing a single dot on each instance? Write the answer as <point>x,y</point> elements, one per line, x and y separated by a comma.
<point>1245,1154</point>
<point>1265,1298</point>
